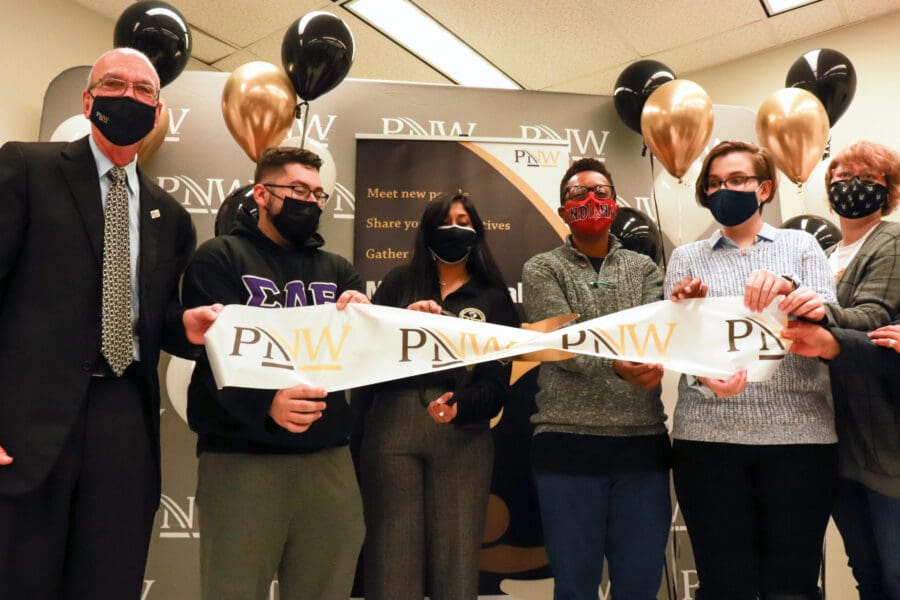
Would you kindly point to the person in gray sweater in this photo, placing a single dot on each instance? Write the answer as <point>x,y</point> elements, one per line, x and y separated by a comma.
<point>755,464</point>
<point>601,453</point>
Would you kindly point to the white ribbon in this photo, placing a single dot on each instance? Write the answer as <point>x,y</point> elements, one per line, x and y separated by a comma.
<point>338,349</point>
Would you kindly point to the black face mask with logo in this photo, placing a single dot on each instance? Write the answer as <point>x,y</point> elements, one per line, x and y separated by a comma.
<point>855,198</point>
<point>297,221</point>
<point>452,243</point>
<point>122,120</point>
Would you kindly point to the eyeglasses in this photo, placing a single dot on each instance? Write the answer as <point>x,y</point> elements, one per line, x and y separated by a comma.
<point>738,182</point>
<point>113,86</point>
<point>299,192</point>
<point>580,192</point>
<point>867,176</point>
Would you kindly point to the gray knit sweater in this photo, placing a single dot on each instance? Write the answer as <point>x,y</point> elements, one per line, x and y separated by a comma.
<point>792,406</point>
<point>583,395</point>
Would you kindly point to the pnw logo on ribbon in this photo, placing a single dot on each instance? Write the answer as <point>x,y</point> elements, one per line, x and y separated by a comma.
<point>363,344</point>
<point>320,345</point>
<point>304,349</point>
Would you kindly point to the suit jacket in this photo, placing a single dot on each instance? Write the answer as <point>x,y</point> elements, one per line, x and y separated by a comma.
<point>51,248</point>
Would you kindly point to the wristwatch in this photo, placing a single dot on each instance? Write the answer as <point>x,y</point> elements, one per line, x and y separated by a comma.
<point>792,280</point>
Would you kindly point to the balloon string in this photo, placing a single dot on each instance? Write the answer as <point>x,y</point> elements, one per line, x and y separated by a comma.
<point>302,112</point>
<point>662,239</point>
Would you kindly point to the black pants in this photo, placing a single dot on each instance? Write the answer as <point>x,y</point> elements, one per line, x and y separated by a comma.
<point>85,531</point>
<point>756,515</point>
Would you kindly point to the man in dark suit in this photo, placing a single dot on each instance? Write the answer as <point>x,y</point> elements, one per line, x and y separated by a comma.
<point>91,252</point>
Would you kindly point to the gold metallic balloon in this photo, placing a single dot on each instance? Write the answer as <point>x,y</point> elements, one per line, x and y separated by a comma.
<point>258,104</point>
<point>153,140</point>
<point>676,123</point>
<point>793,125</point>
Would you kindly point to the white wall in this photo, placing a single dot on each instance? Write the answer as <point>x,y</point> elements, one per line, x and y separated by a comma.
<point>41,39</point>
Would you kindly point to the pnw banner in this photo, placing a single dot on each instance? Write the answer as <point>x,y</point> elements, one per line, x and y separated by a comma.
<point>363,344</point>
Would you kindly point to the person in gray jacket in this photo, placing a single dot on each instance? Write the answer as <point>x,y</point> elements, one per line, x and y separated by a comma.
<point>865,384</point>
<point>863,182</point>
<point>600,449</point>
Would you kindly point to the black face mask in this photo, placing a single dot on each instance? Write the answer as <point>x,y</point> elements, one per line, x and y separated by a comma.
<point>452,243</point>
<point>122,120</point>
<point>297,220</point>
<point>854,198</point>
<point>731,207</point>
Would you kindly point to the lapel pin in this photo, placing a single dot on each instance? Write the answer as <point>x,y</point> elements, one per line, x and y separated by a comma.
<point>154,214</point>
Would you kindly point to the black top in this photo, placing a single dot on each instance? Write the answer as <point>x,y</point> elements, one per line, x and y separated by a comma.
<point>479,391</point>
<point>600,455</point>
<point>248,268</point>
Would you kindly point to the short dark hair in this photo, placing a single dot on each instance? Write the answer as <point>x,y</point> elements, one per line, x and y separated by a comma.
<point>274,159</point>
<point>584,164</point>
<point>763,166</point>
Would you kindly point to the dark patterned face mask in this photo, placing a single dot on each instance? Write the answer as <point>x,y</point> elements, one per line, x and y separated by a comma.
<point>855,198</point>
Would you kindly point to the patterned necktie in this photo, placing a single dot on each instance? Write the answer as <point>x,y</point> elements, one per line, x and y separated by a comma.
<point>116,319</point>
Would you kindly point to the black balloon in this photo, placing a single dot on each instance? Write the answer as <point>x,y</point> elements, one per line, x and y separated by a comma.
<point>158,30</point>
<point>317,53</point>
<point>239,199</point>
<point>634,86</point>
<point>638,233</point>
<point>827,74</point>
<point>825,232</point>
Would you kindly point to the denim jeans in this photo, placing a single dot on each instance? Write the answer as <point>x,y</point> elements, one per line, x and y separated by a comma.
<point>624,519</point>
<point>869,523</point>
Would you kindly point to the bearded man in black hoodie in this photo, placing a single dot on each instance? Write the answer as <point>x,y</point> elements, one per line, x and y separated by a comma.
<point>276,488</point>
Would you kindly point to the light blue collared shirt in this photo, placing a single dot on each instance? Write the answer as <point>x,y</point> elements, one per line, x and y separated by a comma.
<point>134,224</point>
<point>720,240</point>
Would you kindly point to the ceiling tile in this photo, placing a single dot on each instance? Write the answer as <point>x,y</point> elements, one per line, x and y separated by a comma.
<point>537,44</point>
<point>601,83</point>
<point>196,65</point>
<point>376,57</point>
<point>565,45</point>
<point>717,49</point>
<point>858,10</point>
<point>652,26</point>
<point>807,21</point>
<point>241,22</point>
<point>233,61</point>
<point>108,8</point>
<point>208,49</point>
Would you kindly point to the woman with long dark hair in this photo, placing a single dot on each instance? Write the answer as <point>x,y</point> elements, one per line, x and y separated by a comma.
<point>426,452</point>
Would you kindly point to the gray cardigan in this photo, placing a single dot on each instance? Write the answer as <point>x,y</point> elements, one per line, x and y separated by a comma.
<point>583,395</point>
<point>869,289</point>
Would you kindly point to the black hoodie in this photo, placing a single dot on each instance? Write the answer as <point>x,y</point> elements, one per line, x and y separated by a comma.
<point>246,267</point>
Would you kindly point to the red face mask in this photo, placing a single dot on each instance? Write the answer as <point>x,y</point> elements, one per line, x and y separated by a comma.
<point>590,217</point>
